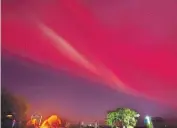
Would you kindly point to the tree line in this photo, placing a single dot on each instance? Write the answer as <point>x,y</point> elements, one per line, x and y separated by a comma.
<point>12,105</point>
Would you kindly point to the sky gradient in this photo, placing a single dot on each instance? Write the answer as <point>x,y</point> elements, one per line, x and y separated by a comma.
<point>98,53</point>
<point>50,91</point>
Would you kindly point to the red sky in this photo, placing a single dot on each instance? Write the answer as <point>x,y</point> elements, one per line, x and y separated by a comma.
<point>128,45</point>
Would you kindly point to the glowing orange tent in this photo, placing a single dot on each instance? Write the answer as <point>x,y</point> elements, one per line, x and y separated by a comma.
<point>53,121</point>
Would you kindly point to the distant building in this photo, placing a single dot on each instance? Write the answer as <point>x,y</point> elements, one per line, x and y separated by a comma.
<point>158,122</point>
<point>89,124</point>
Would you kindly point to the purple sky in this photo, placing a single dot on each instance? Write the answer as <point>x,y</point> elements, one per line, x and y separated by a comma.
<point>49,91</point>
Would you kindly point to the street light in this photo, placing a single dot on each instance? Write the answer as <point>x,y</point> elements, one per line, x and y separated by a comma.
<point>148,119</point>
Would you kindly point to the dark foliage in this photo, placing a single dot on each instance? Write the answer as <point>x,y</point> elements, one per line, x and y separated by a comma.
<point>13,105</point>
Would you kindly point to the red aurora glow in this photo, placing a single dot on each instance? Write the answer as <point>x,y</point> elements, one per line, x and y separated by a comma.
<point>134,51</point>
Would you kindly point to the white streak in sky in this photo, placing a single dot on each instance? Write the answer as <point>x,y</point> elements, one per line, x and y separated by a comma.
<point>71,53</point>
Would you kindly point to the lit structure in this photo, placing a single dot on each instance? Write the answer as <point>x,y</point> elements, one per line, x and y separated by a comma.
<point>37,117</point>
<point>35,120</point>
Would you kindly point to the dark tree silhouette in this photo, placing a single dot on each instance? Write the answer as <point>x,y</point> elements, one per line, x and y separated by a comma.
<point>11,104</point>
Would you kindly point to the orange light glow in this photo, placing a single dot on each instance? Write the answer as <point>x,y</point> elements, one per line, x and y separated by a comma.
<point>51,121</point>
<point>32,122</point>
<point>9,116</point>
